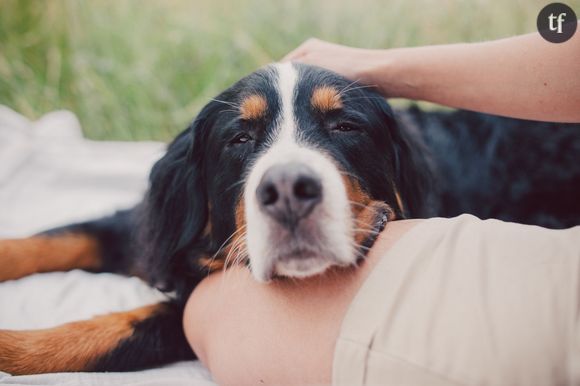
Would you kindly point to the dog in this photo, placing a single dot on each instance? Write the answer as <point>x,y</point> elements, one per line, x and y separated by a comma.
<point>290,171</point>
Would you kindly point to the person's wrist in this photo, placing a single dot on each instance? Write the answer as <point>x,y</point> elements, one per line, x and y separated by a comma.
<point>380,68</point>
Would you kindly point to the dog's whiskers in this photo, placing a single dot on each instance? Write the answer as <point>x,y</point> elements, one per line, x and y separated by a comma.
<point>362,223</point>
<point>348,87</point>
<point>212,259</point>
<point>240,251</point>
<point>357,204</point>
<point>358,88</point>
<point>363,97</point>
<point>235,184</point>
<point>229,111</point>
<point>235,247</point>
<point>351,87</point>
<point>357,251</point>
<point>371,231</point>
<point>231,104</point>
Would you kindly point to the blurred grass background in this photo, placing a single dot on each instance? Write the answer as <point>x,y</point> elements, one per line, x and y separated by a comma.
<point>134,69</point>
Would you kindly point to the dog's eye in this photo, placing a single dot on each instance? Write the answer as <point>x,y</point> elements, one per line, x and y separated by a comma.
<point>241,139</point>
<point>345,127</point>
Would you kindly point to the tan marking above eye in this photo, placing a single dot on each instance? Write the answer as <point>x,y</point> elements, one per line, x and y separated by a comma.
<point>325,99</point>
<point>253,107</point>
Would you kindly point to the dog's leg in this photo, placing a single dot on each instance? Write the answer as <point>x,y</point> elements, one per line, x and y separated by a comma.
<point>101,245</point>
<point>22,257</point>
<point>123,341</point>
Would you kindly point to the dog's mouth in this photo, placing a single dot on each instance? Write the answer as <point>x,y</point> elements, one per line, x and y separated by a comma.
<point>300,264</point>
<point>297,255</point>
<point>296,260</point>
<point>303,252</point>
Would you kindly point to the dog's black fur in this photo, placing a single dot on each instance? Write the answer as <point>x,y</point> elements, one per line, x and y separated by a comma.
<point>496,167</point>
<point>443,163</point>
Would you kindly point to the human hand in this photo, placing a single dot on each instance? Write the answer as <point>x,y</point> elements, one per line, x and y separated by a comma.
<point>347,61</point>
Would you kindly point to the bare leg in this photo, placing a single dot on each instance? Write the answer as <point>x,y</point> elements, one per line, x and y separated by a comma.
<point>281,333</point>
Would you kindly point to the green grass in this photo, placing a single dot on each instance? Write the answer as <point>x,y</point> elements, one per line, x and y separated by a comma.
<point>134,69</point>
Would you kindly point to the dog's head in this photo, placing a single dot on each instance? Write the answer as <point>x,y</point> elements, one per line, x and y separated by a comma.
<point>293,169</point>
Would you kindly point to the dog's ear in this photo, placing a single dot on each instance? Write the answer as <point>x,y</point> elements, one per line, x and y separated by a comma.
<point>175,209</point>
<point>413,174</point>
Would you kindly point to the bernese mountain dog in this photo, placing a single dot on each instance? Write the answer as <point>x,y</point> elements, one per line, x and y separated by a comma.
<point>290,171</point>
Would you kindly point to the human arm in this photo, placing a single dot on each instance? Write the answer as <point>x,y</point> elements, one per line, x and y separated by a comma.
<point>280,333</point>
<point>522,76</point>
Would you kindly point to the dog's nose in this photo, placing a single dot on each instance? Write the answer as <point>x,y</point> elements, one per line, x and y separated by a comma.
<point>289,192</point>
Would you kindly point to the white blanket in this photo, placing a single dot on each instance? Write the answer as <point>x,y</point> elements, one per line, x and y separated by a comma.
<point>50,176</point>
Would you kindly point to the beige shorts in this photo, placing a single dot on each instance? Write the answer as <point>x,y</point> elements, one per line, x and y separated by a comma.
<point>467,302</point>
